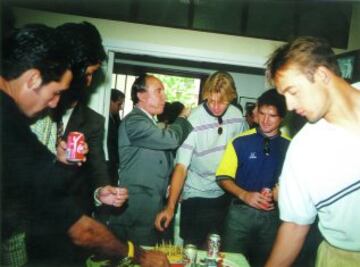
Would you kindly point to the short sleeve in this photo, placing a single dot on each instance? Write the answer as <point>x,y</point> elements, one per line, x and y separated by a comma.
<point>229,163</point>
<point>186,150</point>
<point>295,202</point>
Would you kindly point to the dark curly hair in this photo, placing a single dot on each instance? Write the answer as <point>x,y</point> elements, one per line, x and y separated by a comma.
<point>272,98</point>
<point>33,46</point>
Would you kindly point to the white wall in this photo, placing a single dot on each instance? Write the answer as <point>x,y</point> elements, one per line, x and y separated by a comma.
<point>177,43</point>
<point>168,42</point>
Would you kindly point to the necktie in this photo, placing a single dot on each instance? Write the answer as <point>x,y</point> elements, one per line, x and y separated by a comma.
<point>60,132</point>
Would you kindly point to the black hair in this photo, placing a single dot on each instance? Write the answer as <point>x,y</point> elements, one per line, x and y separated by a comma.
<point>116,95</point>
<point>171,112</point>
<point>139,85</point>
<point>33,46</point>
<point>83,44</point>
<point>272,98</point>
<point>249,108</point>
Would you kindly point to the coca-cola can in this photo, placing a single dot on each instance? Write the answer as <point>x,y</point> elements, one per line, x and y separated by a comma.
<point>75,146</point>
<point>189,255</point>
<point>213,246</point>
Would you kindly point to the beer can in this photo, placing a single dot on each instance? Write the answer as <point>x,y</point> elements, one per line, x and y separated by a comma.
<point>75,146</point>
<point>213,246</point>
<point>189,255</point>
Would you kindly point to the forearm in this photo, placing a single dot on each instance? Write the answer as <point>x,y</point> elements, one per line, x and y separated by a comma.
<point>230,186</point>
<point>88,233</point>
<point>176,185</point>
<point>288,243</point>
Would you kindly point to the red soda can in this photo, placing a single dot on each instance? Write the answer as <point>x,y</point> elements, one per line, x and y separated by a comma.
<point>75,146</point>
<point>266,191</point>
<point>213,246</point>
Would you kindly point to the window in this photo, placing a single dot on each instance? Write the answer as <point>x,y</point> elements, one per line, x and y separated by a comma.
<point>177,88</point>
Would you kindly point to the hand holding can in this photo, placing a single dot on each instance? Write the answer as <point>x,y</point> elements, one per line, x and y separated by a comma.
<point>75,147</point>
<point>267,193</point>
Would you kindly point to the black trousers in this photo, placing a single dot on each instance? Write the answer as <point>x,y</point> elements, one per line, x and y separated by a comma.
<point>200,217</point>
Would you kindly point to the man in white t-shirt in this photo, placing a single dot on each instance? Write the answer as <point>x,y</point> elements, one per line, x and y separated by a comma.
<point>321,173</point>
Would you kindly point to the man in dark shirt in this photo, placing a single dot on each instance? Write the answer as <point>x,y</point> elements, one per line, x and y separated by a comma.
<point>32,76</point>
<point>116,104</point>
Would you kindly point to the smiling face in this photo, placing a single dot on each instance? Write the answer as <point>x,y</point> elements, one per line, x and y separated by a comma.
<point>269,120</point>
<point>308,99</point>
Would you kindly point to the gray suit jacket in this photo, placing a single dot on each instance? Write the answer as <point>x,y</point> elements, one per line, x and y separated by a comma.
<point>146,152</point>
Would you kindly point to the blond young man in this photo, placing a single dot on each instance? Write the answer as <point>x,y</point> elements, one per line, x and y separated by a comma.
<point>204,203</point>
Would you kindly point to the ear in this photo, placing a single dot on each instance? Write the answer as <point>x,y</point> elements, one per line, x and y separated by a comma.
<point>141,96</point>
<point>323,74</point>
<point>33,79</point>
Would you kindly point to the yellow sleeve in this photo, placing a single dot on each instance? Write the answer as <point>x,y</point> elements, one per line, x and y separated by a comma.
<point>229,162</point>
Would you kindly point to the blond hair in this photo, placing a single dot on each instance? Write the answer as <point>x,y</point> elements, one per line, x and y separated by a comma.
<point>222,83</point>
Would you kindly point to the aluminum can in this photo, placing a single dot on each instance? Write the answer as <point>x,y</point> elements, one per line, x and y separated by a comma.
<point>213,246</point>
<point>189,255</point>
<point>211,263</point>
<point>265,191</point>
<point>75,146</point>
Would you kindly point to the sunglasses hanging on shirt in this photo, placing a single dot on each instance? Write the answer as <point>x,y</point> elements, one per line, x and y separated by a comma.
<point>266,146</point>
<point>220,129</point>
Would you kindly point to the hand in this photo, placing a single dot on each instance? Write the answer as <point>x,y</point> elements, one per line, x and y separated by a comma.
<point>61,153</point>
<point>151,258</point>
<point>185,112</point>
<point>275,192</point>
<point>113,196</point>
<point>259,201</point>
<point>163,219</point>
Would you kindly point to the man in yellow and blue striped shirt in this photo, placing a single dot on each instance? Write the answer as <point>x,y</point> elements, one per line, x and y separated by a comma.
<point>253,161</point>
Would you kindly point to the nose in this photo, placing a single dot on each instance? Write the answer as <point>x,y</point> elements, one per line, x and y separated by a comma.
<point>290,104</point>
<point>89,80</point>
<point>266,119</point>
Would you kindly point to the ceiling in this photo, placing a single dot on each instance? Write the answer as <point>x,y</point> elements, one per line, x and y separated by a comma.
<point>266,19</point>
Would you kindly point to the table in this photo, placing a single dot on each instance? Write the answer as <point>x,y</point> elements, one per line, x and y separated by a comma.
<point>236,258</point>
<point>230,260</point>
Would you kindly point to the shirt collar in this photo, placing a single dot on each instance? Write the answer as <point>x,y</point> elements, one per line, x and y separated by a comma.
<point>258,130</point>
<point>153,118</point>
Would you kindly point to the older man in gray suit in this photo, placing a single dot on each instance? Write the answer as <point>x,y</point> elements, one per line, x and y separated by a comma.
<point>146,161</point>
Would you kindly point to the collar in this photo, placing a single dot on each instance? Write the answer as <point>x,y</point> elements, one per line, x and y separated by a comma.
<point>212,114</point>
<point>152,118</point>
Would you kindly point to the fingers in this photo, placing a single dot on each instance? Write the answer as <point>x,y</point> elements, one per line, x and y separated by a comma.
<point>158,222</point>
<point>62,144</point>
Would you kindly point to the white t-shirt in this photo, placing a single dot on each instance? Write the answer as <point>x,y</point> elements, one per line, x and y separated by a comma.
<point>321,175</point>
<point>201,152</point>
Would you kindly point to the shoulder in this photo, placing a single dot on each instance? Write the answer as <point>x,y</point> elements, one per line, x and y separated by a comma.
<point>285,137</point>
<point>91,114</point>
<point>233,110</point>
<point>197,113</point>
<point>246,135</point>
<point>135,114</point>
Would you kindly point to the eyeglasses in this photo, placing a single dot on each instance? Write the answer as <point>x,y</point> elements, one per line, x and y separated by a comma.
<point>220,129</point>
<point>266,146</point>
